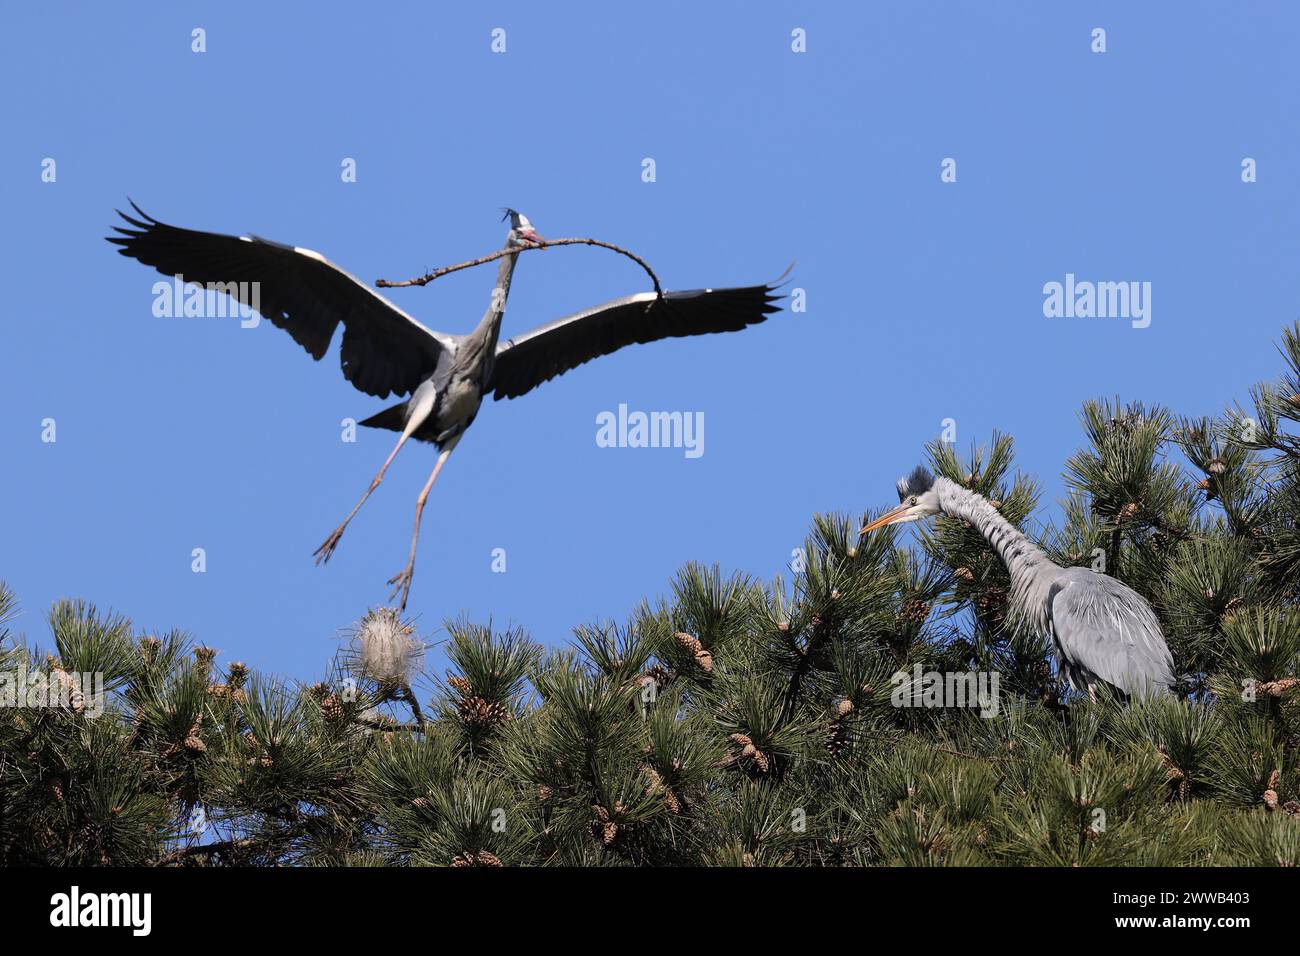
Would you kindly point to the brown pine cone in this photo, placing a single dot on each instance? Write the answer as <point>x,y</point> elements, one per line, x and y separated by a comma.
<point>914,611</point>
<point>476,858</point>
<point>331,708</point>
<point>478,711</point>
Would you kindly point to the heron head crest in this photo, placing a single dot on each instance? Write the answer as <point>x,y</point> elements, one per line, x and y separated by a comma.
<point>517,219</point>
<point>521,229</point>
<point>916,484</point>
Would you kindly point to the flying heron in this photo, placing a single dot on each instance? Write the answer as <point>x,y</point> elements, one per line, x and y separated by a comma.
<point>1103,630</point>
<point>386,352</point>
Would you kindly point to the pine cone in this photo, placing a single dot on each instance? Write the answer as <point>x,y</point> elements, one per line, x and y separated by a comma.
<point>1276,688</point>
<point>837,738</point>
<point>462,685</point>
<point>843,707</point>
<point>478,711</point>
<point>965,574</point>
<point>76,698</point>
<point>701,654</point>
<point>331,708</point>
<point>658,675</point>
<point>604,828</point>
<point>195,745</point>
<point>476,858</point>
<point>914,612</point>
<point>1130,510</point>
<point>748,751</point>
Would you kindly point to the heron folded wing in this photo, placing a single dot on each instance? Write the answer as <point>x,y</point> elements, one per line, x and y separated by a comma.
<point>384,350</point>
<point>538,356</point>
<point>1109,629</point>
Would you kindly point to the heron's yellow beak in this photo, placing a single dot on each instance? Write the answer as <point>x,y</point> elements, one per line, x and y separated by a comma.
<point>889,517</point>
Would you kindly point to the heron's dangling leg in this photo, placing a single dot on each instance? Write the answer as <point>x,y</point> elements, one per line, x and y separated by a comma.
<point>325,550</point>
<point>419,407</point>
<point>402,580</point>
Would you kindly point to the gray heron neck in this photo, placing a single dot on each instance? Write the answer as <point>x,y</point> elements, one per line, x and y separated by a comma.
<point>489,327</point>
<point>479,348</point>
<point>1017,552</point>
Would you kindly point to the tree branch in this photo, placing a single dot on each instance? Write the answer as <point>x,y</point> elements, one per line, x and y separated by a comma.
<point>483,260</point>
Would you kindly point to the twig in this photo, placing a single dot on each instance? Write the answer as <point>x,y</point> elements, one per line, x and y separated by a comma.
<point>483,260</point>
<point>390,728</point>
<point>223,849</point>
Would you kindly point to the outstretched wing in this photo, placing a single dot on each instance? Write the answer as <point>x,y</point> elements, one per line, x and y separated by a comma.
<point>384,350</point>
<point>1106,627</point>
<point>525,362</point>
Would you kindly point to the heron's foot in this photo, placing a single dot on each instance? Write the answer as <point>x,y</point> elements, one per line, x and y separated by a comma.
<point>326,550</point>
<point>402,582</point>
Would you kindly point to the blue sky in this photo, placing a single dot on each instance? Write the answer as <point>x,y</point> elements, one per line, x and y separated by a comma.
<point>924,298</point>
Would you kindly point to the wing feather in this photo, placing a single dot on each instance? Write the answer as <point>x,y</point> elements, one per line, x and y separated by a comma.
<point>384,350</point>
<point>1105,627</point>
<point>527,361</point>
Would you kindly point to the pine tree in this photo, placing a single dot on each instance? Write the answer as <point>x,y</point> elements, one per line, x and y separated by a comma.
<point>736,722</point>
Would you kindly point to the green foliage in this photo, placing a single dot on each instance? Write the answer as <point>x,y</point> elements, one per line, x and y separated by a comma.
<point>737,723</point>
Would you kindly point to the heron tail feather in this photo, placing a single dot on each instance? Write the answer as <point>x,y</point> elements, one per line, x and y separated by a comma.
<point>394,418</point>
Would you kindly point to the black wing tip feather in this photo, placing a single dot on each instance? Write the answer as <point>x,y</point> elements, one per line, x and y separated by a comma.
<point>141,227</point>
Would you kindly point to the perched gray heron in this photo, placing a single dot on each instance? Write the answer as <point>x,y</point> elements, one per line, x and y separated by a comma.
<point>386,352</point>
<point>1103,630</point>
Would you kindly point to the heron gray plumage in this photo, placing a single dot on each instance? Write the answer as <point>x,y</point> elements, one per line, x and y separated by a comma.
<point>384,351</point>
<point>1103,630</point>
